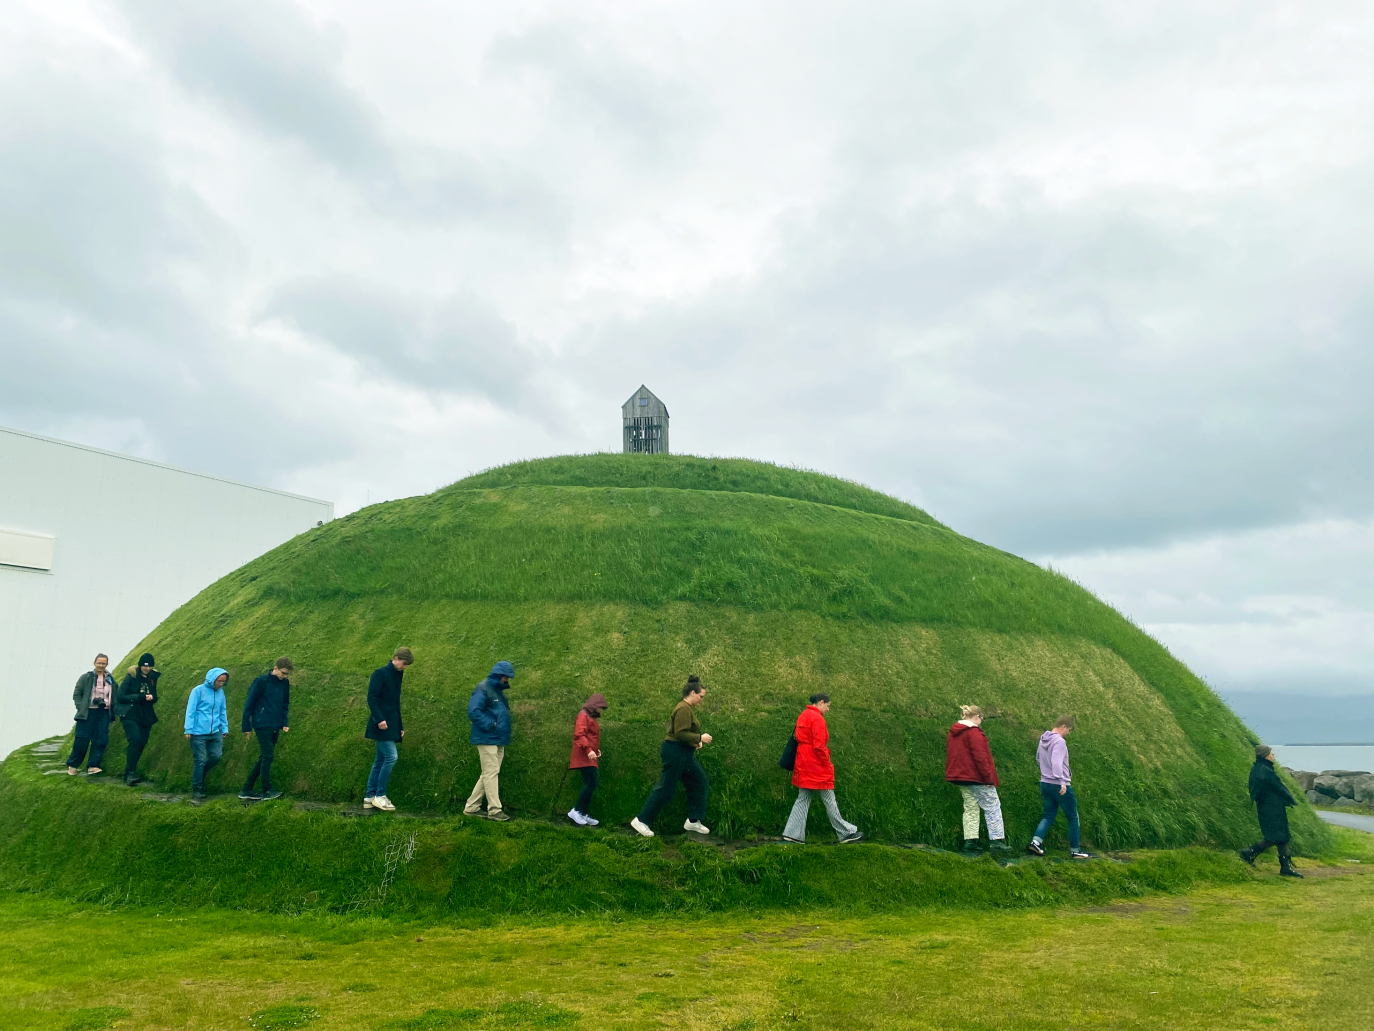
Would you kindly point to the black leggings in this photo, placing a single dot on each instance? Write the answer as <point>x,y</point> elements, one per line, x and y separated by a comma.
<point>1259,849</point>
<point>588,788</point>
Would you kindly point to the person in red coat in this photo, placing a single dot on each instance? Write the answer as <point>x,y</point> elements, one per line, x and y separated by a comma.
<point>814,773</point>
<point>969,765</point>
<point>586,751</point>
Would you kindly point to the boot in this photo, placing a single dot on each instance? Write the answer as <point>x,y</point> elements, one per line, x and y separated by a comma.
<point>1286,868</point>
<point>971,847</point>
<point>1248,854</point>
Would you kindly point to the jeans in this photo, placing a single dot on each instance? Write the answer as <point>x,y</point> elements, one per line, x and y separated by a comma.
<point>796,821</point>
<point>93,732</point>
<point>267,749</point>
<point>206,752</point>
<point>1052,801</point>
<point>984,797</point>
<point>588,788</point>
<point>679,764</point>
<point>137,736</point>
<point>380,776</point>
<point>488,781</point>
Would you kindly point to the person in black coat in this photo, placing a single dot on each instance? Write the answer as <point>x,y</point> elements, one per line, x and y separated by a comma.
<point>266,712</point>
<point>384,725</point>
<point>134,707</point>
<point>1271,800</point>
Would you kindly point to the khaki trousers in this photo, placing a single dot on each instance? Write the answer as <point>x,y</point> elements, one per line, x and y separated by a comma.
<point>488,783</point>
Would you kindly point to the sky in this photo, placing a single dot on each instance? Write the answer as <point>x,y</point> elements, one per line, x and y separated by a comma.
<point>1091,282</point>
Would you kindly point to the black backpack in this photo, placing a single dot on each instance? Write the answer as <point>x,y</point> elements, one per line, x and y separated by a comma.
<point>789,754</point>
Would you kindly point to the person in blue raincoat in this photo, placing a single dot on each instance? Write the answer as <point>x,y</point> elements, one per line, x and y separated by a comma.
<point>207,725</point>
<point>490,715</point>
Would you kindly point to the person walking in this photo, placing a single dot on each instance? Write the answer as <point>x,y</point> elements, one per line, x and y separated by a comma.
<point>586,755</point>
<point>1272,800</point>
<point>489,712</point>
<point>93,697</point>
<point>814,773</point>
<point>1056,789</point>
<point>679,755</point>
<point>969,765</point>
<point>384,726</point>
<point>134,708</point>
<point>266,712</point>
<point>207,725</point>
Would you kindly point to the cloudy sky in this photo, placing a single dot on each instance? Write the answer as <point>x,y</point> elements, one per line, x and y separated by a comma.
<point>1092,282</point>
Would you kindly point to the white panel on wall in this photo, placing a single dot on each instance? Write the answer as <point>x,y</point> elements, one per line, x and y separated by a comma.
<point>26,550</point>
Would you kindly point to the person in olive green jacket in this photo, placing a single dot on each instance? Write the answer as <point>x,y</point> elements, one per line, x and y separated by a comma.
<point>679,755</point>
<point>93,697</point>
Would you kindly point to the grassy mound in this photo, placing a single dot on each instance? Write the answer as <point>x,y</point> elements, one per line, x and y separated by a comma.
<point>622,574</point>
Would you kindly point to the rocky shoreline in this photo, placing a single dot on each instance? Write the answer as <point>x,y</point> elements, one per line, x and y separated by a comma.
<point>1339,788</point>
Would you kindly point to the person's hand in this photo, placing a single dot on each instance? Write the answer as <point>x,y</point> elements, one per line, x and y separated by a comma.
<point>247,733</point>
<point>188,737</point>
<point>403,733</point>
<point>1063,789</point>
<point>286,730</point>
<point>705,739</point>
<point>147,698</point>
<point>381,725</point>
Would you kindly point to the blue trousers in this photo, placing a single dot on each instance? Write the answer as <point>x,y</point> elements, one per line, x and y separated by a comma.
<point>380,776</point>
<point>1051,802</point>
<point>94,733</point>
<point>206,752</point>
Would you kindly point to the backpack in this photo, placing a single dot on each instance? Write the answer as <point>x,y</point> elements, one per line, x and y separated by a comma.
<point>789,754</point>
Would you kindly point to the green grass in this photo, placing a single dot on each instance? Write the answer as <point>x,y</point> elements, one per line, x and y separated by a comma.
<point>1252,954</point>
<point>604,573</point>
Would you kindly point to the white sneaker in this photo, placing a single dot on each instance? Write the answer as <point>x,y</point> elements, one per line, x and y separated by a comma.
<point>382,802</point>
<point>696,827</point>
<point>641,828</point>
<point>590,821</point>
<point>577,818</point>
<point>367,803</point>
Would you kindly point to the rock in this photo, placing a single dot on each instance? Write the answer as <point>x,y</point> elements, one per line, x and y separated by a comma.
<point>1345,803</point>
<point>1317,798</point>
<point>1303,778</point>
<point>1364,789</point>
<point>1345,773</point>
<point>1335,787</point>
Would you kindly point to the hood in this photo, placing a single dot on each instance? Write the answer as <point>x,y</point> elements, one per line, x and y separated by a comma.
<point>501,669</point>
<point>960,729</point>
<point>214,675</point>
<point>596,703</point>
<point>1047,738</point>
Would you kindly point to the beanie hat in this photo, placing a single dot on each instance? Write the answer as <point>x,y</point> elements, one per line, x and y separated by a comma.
<point>146,659</point>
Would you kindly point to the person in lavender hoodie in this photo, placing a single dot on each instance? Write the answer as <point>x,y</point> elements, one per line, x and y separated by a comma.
<point>1056,789</point>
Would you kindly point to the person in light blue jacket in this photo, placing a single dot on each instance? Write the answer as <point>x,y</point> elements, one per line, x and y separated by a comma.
<point>207,725</point>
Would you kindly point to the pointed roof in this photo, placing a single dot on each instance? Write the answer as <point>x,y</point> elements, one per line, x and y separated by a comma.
<point>634,409</point>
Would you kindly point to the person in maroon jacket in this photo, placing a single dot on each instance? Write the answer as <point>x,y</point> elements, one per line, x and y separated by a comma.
<point>586,751</point>
<point>968,764</point>
<point>814,773</point>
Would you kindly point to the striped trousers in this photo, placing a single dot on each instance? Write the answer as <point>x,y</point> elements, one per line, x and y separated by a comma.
<point>796,822</point>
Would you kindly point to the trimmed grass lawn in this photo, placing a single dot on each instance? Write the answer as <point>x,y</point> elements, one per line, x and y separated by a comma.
<point>1268,953</point>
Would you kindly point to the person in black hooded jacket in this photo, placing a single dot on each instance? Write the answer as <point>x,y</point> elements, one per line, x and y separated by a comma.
<point>1271,800</point>
<point>134,707</point>
<point>266,712</point>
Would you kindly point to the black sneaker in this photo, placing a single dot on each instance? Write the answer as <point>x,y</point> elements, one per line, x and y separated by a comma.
<point>268,796</point>
<point>250,796</point>
<point>1035,848</point>
<point>197,797</point>
<point>1000,845</point>
<point>1078,853</point>
<point>499,816</point>
<point>971,847</point>
<point>856,836</point>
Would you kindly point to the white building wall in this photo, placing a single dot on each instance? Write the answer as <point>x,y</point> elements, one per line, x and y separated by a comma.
<point>131,541</point>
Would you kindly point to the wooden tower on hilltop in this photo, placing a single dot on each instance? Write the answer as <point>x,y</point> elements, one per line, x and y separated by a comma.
<point>645,418</point>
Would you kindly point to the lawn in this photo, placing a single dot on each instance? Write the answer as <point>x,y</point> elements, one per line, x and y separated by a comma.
<point>1264,953</point>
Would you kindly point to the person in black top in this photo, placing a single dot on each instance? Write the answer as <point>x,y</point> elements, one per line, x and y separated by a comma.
<point>1271,800</point>
<point>384,725</point>
<point>134,707</point>
<point>266,712</point>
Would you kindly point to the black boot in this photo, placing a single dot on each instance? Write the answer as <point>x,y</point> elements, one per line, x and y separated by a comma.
<point>1248,854</point>
<point>1286,868</point>
<point>971,847</point>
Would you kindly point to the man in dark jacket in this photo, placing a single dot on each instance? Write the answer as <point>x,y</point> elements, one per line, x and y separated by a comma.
<point>134,707</point>
<point>1271,800</point>
<point>93,697</point>
<point>490,715</point>
<point>266,713</point>
<point>384,725</point>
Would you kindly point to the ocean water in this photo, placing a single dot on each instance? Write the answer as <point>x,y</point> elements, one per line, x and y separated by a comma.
<point>1315,758</point>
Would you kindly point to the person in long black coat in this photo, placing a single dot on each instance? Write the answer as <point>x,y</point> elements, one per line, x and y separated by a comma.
<point>384,726</point>
<point>1271,800</point>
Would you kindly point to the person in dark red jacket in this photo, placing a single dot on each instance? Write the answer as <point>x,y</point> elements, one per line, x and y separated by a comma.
<point>586,751</point>
<point>968,764</point>
<point>814,773</point>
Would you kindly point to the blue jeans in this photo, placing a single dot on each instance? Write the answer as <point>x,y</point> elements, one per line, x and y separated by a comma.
<point>94,733</point>
<point>1052,801</point>
<point>381,769</point>
<point>206,751</point>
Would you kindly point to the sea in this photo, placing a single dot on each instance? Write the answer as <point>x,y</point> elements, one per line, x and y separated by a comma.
<point>1315,758</point>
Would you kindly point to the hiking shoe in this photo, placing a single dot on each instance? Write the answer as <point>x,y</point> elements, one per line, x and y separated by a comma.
<point>577,818</point>
<point>856,836</point>
<point>1035,848</point>
<point>268,796</point>
<point>696,827</point>
<point>1078,853</point>
<point>971,847</point>
<point>641,828</point>
<point>498,816</point>
<point>1000,845</point>
<point>382,802</point>
<point>1286,870</point>
<point>368,803</point>
<point>250,796</point>
<point>1247,855</point>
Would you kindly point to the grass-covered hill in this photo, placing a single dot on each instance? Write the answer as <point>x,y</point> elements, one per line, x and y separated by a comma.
<point>623,574</point>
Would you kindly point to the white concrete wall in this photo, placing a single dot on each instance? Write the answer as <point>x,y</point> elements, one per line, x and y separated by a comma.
<point>133,540</point>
